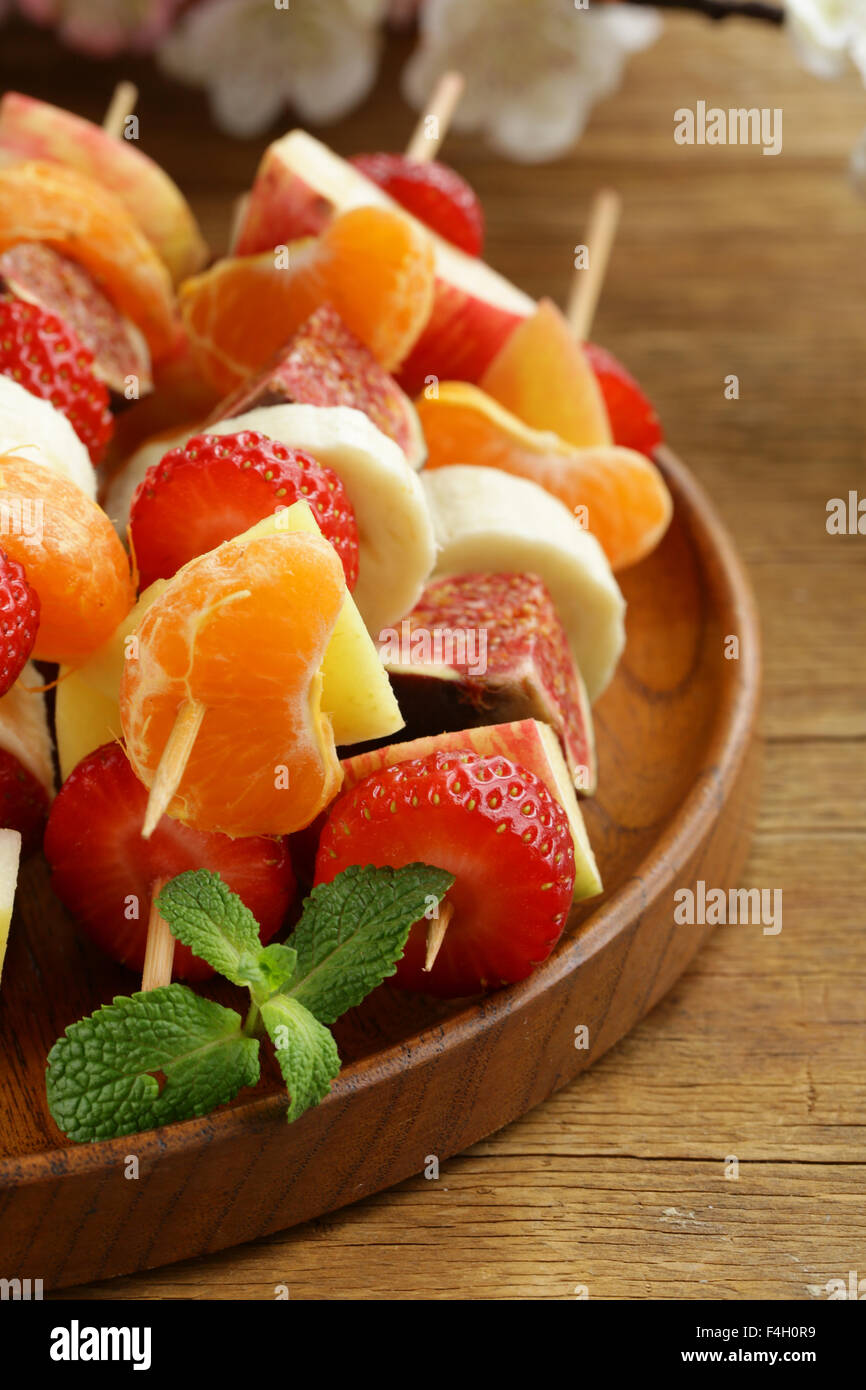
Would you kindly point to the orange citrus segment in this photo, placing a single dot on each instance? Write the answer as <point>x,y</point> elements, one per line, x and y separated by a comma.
<point>616,493</point>
<point>243,630</point>
<point>71,555</point>
<point>542,375</point>
<point>80,218</point>
<point>375,267</point>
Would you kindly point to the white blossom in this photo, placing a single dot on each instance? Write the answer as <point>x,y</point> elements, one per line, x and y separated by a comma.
<point>533,68</point>
<point>255,58</point>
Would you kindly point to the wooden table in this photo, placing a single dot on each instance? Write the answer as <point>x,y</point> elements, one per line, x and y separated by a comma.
<point>728,262</point>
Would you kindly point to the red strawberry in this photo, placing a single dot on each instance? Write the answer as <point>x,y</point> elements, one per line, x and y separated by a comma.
<point>19,621</point>
<point>217,485</point>
<point>103,871</point>
<point>633,418</point>
<point>491,823</point>
<point>44,356</point>
<point>432,192</point>
<point>23,803</point>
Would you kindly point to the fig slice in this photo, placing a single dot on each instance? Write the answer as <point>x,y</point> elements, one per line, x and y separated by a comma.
<point>324,364</point>
<point>40,275</point>
<point>480,649</point>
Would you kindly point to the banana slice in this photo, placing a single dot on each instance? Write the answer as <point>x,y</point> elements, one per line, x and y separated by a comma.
<point>10,856</point>
<point>487,520</point>
<point>397,549</point>
<point>24,727</point>
<point>33,429</point>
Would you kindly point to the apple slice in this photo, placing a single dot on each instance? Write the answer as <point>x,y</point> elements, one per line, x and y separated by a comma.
<point>301,185</point>
<point>31,129</point>
<point>528,742</point>
<point>490,649</point>
<point>10,857</point>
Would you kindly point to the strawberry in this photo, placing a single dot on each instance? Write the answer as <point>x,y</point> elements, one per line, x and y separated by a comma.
<point>633,418</point>
<point>432,192</point>
<point>104,872</point>
<point>19,621</point>
<point>491,823</point>
<point>44,356</point>
<point>23,803</point>
<point>218,485</point>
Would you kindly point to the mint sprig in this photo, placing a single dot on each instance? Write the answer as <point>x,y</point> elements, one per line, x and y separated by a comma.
<point>100,1080</point>
<point>152,1058</point>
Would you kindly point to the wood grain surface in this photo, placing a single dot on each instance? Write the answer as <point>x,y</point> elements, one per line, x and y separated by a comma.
<point>727,262</point>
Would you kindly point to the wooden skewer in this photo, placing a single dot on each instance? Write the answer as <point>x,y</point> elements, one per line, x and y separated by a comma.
<point>443,103</point>
<point>586,285</point>
<point>175,756</point>
<point>436,933</point>
<point>122,104</point>
<point>159,953</point>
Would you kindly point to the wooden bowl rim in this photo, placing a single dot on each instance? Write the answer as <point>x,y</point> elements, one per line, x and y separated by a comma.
<point>726,749</point>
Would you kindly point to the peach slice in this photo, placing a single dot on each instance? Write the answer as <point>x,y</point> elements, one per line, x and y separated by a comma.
<point>301,185</point>
<point>542,375</point>
<point>31,129</point>
<point>616,493</point>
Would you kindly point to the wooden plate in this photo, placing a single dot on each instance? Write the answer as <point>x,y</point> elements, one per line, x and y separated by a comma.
<point>677,749</point>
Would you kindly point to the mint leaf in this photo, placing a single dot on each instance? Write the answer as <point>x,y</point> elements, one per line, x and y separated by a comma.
<point>354,930</point>
<point>271,970</point>
<point>306,1052</point>
<point>205,915</point>
<point>99,1081</point>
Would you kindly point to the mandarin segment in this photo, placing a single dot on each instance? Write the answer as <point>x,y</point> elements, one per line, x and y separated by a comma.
<point>48,203</point>
<point>71,555</point>
<point>374,266</point>
<point>616,493</point>
<point>242,630</point>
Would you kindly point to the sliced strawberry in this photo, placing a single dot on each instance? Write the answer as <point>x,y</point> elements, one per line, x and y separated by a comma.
<point>46,357</point>
<point>19,621</point>
<point>23,803</point>
<point>434,193</point>
<point>104,872</point>
<point>491,823</point>
<point>633,417</point>
<point>216,486</point>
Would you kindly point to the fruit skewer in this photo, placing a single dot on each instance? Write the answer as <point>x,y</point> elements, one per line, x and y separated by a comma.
<point>123,102</point>
<point>586,285</point>
<point>422,147</point>
<point>424,144</point>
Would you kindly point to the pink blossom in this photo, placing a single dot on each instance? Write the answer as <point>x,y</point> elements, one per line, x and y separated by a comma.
<point>105,27</point>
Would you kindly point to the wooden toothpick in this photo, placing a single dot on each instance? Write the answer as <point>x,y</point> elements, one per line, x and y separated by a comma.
<point>122,104</point>
<point>159,953</point>
<point>172,764</point>
<point>433,124</point>
<point>436,934</point>
<point>586,285</point>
